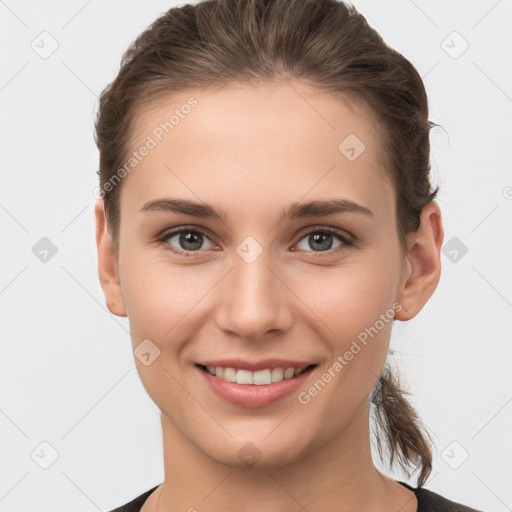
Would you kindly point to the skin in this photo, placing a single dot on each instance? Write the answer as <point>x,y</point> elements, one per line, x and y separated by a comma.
<point>253,151</point>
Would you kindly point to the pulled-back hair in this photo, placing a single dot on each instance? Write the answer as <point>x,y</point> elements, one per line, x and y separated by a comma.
<point>325,43</point>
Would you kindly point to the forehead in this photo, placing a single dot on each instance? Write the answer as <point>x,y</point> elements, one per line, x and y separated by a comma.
<point>241,145</point>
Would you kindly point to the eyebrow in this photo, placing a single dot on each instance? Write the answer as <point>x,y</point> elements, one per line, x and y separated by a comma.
<point>294,211</point>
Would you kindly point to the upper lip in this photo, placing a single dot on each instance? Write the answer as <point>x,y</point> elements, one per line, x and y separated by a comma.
<point>241,364</point>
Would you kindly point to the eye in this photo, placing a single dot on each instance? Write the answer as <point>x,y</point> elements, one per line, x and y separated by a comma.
<point>188,240</point>
<point>321,240</point>
<point>185,240</point>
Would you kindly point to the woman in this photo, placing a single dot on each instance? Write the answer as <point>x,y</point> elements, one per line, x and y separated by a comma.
<point>265,214</point>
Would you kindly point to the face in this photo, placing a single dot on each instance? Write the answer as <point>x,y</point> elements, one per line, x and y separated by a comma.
<point>253,277</point>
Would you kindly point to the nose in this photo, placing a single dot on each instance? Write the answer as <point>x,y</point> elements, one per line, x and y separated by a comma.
<point>254,301</point>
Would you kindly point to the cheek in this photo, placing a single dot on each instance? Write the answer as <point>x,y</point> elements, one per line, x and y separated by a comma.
<point>159,296</point>
<point>354,304</point>
<point>350,298</point>
<point>356,312</point>
<point>160,303</point>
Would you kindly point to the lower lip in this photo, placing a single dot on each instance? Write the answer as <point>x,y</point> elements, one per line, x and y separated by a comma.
<point>252,395</point>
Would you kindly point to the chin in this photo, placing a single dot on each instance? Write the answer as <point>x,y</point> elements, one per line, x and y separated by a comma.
<point>254,453</point>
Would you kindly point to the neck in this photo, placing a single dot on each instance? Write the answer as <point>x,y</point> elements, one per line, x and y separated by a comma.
<point>337,476</point>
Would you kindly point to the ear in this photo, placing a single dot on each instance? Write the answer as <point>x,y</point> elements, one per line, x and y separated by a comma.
<point>422,268</point>
<point>107,264</point>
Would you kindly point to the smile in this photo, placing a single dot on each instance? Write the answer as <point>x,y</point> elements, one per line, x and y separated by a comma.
<point>258,387</point>
<point>259,378</point>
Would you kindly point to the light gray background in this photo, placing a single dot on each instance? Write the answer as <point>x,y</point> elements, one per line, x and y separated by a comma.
<point>67,375</point>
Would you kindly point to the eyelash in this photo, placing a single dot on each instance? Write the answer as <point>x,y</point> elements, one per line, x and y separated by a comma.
<point>347,240</point>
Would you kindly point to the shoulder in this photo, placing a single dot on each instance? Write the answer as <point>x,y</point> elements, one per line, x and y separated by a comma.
<point>136,504</point>
<point>430,501</point>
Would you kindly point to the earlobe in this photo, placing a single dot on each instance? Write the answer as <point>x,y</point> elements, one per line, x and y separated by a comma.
<point>422,268</point>
<point>107,264</point>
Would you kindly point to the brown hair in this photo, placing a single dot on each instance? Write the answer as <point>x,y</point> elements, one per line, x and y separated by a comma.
<point>331,46</point>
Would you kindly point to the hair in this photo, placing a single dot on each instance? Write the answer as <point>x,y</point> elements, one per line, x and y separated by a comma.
<point>331,46</point>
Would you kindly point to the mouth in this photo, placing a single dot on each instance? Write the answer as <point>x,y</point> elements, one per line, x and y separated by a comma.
<point>261,377</point>
<point>266,384</point>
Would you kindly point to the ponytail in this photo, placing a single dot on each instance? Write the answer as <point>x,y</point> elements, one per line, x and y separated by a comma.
<point>399,425</point>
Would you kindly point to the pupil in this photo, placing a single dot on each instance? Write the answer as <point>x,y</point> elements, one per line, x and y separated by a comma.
<point>190,238</point>
<point>320,238</point>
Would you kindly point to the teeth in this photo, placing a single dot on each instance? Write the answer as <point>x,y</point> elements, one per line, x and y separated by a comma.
<point>244,377</point>
<point>259,378</point>
<point>229,374</point>
<point>277,374</point>
<point>289,373</point>
<point>262,377</point>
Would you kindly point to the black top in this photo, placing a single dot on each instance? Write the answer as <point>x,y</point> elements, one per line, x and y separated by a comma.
<point>428,501</point>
